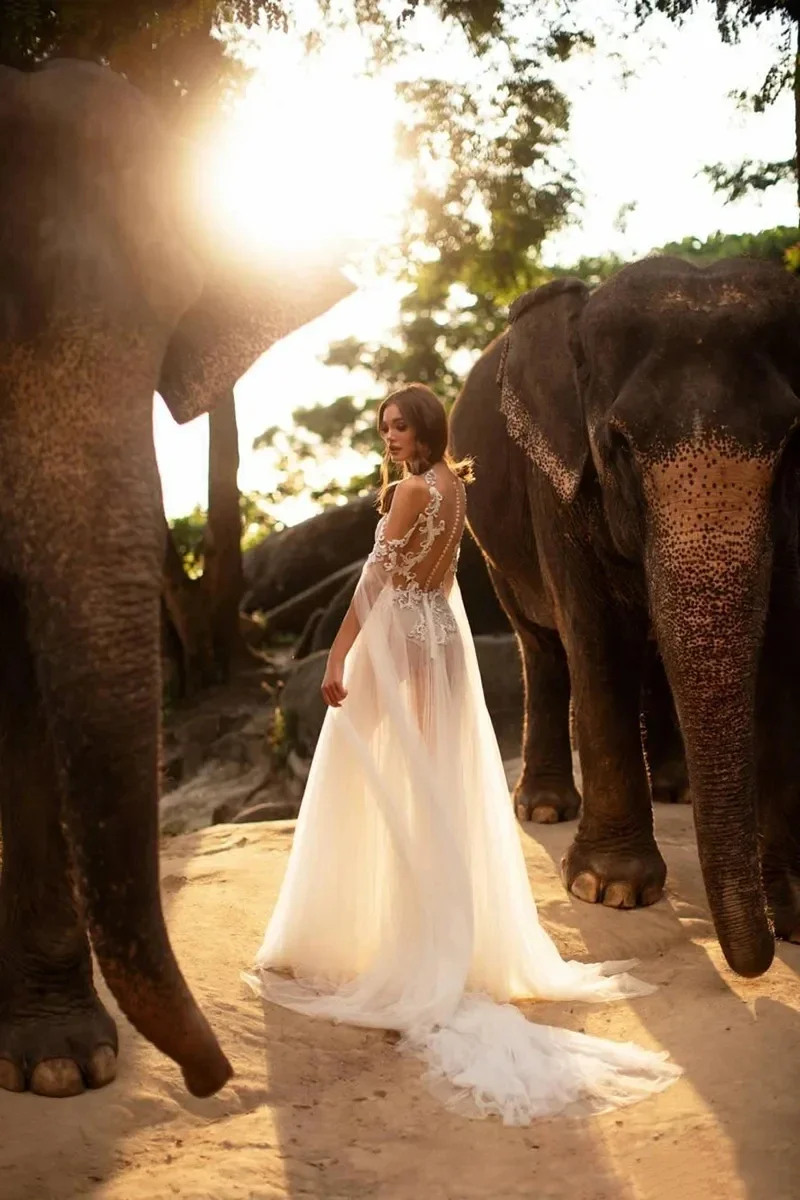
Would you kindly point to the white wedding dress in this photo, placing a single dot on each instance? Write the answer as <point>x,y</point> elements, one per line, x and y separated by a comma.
<point>406,903</point>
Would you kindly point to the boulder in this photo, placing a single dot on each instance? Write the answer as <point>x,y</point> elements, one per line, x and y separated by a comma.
<point>331,617</point>
<point>302,705</point>
<point>498,658</point>
<point>295,559</point>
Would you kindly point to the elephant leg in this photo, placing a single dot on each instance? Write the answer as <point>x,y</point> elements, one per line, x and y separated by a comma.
<point>614,859</point>
<point>545,791</point>
<point>778,765</point>
<point>55,1035</point>
<point>661,736</point>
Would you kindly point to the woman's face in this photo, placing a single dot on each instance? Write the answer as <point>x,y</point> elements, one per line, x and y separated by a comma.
<point>398,436</point>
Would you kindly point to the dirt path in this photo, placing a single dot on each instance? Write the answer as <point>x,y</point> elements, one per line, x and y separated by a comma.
<point>335,1113</point>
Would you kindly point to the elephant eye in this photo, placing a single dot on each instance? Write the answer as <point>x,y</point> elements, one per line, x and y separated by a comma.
<point>619,446</point>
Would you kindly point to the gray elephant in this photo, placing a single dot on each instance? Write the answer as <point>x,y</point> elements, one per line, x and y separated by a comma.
<point>110,289</point>
<point>638,483</point>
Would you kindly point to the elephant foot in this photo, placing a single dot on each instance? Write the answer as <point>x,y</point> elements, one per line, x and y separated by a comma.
<point>616,878</point>
<point>670,783</point>
<point>54,1043</point>
<point>546,803</point>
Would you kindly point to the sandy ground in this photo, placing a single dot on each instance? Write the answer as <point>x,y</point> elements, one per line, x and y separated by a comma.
<point>320,1111</point>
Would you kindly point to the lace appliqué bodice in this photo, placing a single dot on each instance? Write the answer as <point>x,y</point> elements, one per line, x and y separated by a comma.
<point>407,568</point>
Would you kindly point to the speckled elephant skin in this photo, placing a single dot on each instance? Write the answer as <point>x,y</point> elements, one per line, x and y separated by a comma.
<point>110,288</point>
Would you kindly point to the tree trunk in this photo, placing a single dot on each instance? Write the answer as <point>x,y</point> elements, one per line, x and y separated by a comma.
<point>187,608</point>
<point>204,613</point>
<point>223,577</point>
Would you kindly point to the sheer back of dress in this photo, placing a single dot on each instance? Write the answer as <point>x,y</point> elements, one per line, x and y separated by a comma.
<point>425,558</point>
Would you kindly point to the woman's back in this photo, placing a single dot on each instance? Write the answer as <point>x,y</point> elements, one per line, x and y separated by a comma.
<point>424,556</point>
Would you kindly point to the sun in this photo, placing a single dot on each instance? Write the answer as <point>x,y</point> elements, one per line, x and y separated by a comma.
<point>308,160</point>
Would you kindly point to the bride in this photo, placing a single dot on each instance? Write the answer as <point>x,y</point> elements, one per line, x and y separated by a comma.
<point>406,903</point>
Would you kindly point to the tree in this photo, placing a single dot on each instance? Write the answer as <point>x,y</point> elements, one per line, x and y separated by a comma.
<point>491,185</point>
<point>732,17</point>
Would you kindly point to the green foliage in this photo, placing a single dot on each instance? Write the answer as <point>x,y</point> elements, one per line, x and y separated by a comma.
<point>258,520</point>
<point>771,244</point>
<point>780,245</point>
<point>318,436</point>
<point>188,533</point>
<point>732,15</point>
<point>749,176</point>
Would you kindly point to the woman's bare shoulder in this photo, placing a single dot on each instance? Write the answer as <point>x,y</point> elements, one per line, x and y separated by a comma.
<point>413,485</point>
<point>407,499</point>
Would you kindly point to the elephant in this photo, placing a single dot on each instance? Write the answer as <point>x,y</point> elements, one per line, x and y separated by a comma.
<point>545,792</point>
<point>637,490</point>
<point>111,288</point>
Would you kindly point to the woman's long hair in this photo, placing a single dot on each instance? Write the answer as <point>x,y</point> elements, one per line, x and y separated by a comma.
<point>424,412</point>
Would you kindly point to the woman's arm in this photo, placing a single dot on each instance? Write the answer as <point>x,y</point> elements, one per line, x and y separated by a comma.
<point>410,498</point>
<point>333,689</point>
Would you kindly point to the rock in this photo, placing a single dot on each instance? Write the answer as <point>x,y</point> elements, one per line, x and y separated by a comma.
<point>172,771</point>
<point>268,810</point>
<point>328,625</point>
<point>302,705</point>
<point>501,675</point>
<point>305,645</point>
<point>501,672</point>
<point>293,615</point>
<point>225,813</point>
<point>289,562</point>
<point>202,729</point>
<point>299,767</point>
<point>193,755</point>
<point>193,805</point>
<point>247,746</point>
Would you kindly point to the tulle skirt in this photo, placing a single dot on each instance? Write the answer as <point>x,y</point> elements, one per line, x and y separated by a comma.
<point>406,903</point>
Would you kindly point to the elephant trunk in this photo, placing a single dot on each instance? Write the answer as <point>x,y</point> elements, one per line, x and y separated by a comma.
<point>101,691</point>
<point>709,569</point>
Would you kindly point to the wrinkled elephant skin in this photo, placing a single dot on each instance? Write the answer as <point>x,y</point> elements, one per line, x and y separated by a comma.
<point>646,435</point>
<point>107,292</point>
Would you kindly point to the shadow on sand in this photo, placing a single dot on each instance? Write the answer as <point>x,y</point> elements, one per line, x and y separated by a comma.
<point>737,1040</point>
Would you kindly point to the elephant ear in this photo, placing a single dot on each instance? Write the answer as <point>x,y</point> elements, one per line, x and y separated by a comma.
<point>244,307</point>
<point>538,392</point>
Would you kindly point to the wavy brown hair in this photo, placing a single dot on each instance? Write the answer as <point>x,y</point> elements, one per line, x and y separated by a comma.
<point>425,413</point>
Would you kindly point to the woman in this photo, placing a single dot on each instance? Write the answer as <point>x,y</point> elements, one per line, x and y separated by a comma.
<point>406,903</point>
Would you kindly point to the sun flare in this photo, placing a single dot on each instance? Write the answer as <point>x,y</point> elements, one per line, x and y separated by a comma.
<point>308,160</point>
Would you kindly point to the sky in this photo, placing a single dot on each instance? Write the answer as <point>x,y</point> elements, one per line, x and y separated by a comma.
<point>637,139</point>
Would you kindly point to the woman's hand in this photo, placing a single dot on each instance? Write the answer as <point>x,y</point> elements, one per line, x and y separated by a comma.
<point>333,689</point>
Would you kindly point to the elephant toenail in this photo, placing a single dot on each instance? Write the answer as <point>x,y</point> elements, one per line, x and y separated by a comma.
<point>57,1077</point>
<point>586,887</point>
<point>545,814</point>
<point>619,895</point>
<point>652,893</point>
<point>11,1076</point>
<point>102,1067</point>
